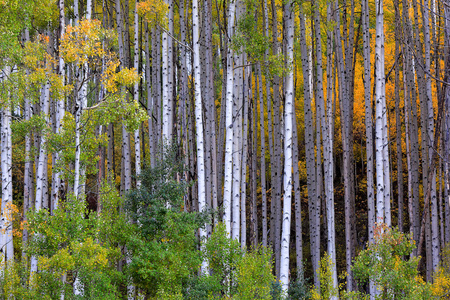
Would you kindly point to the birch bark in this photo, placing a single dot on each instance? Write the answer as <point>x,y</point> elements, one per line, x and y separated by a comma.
<point>288,144</point>
<point>199,120</point>
<point>229,123</point>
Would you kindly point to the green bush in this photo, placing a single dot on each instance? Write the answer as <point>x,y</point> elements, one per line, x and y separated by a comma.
<point>163,249</point>
<point>384,262</point>
<point>234,274</point>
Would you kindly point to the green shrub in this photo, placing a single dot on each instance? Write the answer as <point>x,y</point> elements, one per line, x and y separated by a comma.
<point>234,274</point>
<point>384,262</point>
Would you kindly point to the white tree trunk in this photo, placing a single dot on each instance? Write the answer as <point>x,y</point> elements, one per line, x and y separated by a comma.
<point>288,113</point>
<point>379,110</point>
<point>229,123</point>
<point>137,142</point>
<point>41,165</point>
<point>199,121</point>
<point>6,241</point>
<point>57,183</point>
<point>309,153</point>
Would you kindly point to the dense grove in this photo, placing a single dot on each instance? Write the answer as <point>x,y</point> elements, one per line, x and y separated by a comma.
<point>244,149</point>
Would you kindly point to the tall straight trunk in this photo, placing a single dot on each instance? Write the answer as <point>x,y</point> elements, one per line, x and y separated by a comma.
<point>269,128</point>
<point>41,161</point>
<point>40,173</point>
<point>435,242</point>
<point>167,78</point>
<point>228,177</point>
<point>253,154</point>
<point>297,199</point>
<point>184,93</point>
<point>380,95</point>
<point>6,238</point>
<point>57,182</point>
<point>368,121</point>
<point>28,171</point>
<point>110,154</point>
<point>199,119</point>
<point>397,120</point>
<point>263,159</point>
<point>137,140</point>
<point>346,105</point>
<point>237,138</point>
<point>313,200</point>
<point>212,119</point>
<point>288,144</point>
<point>247,99</point>
<point>210,113</point>
<point>126,154</point>
<point>158,93</point>
<point>150,94</point>
<point>327,137</point>
<point>411,111</point>
<point>277,143</point>
<point>156,88</point>
<point>446,141</point>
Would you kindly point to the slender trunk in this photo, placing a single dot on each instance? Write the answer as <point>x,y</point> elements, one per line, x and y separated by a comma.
<point>288,144</point>
<point>229,123</point>
<point>277,143</point>
<point>137,141</point>
<point>397,120</point>
<point>263,159</point>
<point>199,120</point>
<point>6,238</point>
<point>309,154</point>
<point>247,99</point>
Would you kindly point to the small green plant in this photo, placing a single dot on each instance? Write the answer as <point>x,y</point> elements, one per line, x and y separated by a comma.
<point>299,289</point>
<point>327,290</point>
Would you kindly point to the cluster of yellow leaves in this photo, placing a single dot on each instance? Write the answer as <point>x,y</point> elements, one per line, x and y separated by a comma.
<point>112,79</point>
<point>441,285</point>
<point>41,65</point>
<point>88,255</point>
<point>154,12</point>
<point>82,42</point>
<point>10,214</point>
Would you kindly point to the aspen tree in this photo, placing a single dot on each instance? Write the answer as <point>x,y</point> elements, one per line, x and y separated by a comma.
<point>229,123</point>
<point>435,242</point>
<point>397,120</point>
<point>314,216</point>
<point>6,241</point>
<point>288,144</point>
<point>137,143</point>
<point>345,76</point>
<point>298,200</point>
<point>253,154</point>
<point>277,183</point>
<point>380,107</point>
<point>28,194</point>
<point>45,95</point>
<point>237,138</point>
<point>269,126</point>
<point>199,119</point>
<point>244,155</point>
<point>57,182</point>
<point>263,158</point>
<point>369,130</point>
<point>446,141</point>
